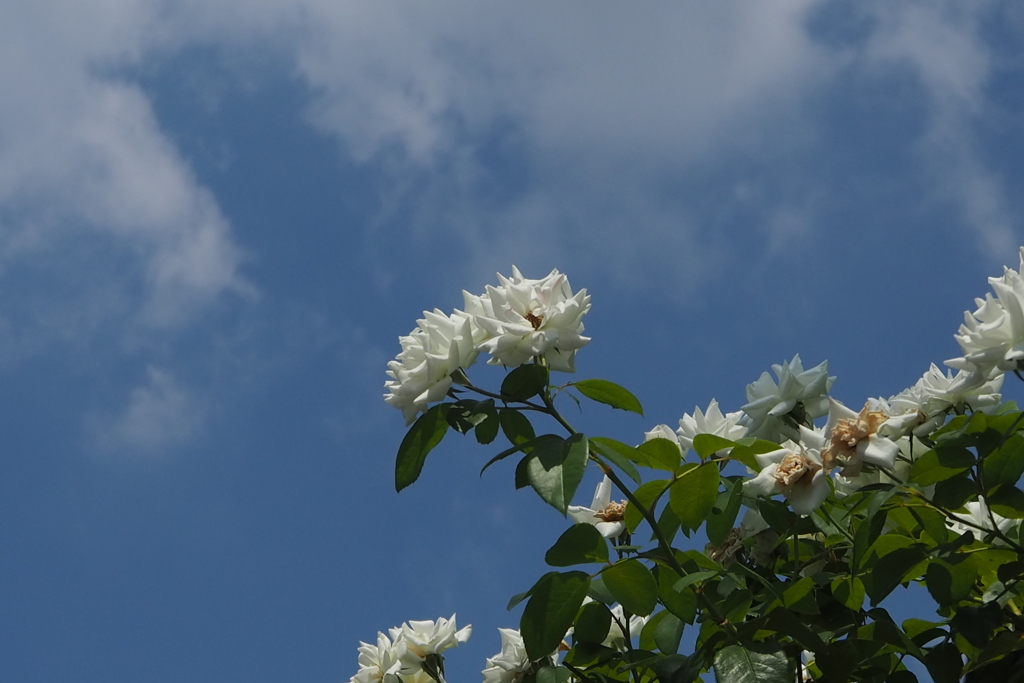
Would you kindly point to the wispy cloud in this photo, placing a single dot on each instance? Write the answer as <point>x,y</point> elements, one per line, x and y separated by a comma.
<point>942,44</point>
<point>160,413</point>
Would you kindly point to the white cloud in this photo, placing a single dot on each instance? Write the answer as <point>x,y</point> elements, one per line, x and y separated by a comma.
<point>84,155</point>
<point>942,45</point>
<point>160,414</point>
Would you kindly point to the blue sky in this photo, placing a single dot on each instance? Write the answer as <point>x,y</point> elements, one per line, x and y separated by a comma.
<point>217,218</point>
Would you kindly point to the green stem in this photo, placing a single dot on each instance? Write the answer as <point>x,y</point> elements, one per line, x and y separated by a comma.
<point>648,516</point>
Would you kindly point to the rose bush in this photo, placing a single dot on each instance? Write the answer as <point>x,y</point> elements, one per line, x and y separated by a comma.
<point>919,488</point>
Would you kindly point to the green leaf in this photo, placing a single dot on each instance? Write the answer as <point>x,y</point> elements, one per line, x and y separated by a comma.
<point>950,583</point>
<point>661,454</point>
<point>681,602</point>
<point>1006,465</point>
<point>580,544</point>
<point>667,633</point>
<point>952,493</point>
<point>849,591</point>
<point>693,495</point>
<point>632,585</point>
<point>525,382</point>
<point>515,426</point>
<point>736,664</point>
<point>525,447</point>
<point>609,393</point>
<point>894,568</point>
<point>707,445</point>
<point>799,597</point>
<point>556,469</point>
<point>1008,501</point>
<point>424,434</point>
<point>944,663</point>
<point>748,448</point>
<point>554,674</point>
<point>839,660</point>
<point>976,624</point>
<point>467,414</point>
<point>618,453</point>
<point>940,464</point>
<point>552,607</point>
<point>487,431</point>
<point>593,623</point>
<point>721,523</point>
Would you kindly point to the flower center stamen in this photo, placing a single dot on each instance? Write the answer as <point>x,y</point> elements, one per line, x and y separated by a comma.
<point>535,320</point>
<point>613,513</point>
<point>792,469</point>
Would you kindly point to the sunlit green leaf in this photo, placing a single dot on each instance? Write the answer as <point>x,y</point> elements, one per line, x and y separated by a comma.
<point>619,454</point>
<point>646,495</point>
<point>693,495</point>
<point>707,445</point>
<point>661,454</point>
<point>609,393</point>
<point>940,464</point>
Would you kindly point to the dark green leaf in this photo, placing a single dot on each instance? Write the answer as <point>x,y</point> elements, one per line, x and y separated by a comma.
<point>552,607</point>
<point>839,660</point>
<point>661,454</point>
<point>891,570</point>
<point>673,669</point>
<point>1006,465</point>
<point>976,624</point>
<point>525,447</point>
<point>721,523</point>
<point>632,585</point>
<point>954,492</point>
<point>487,431</point>
<point>944,663</point>
<point>525,382</point>
<point>522,473</point>
<point>556,469</point>
<point>681,602</point>
<point>1008,501</point>
<point>618,453</point>
<point>515,426</point>
<point>950,583</point>
<point>424,434</point>
<point>667,633</point>
<point>779,517</point>
<point>693,495</point>
<point>736,664</point>
<point>580,544</point>
<point>609,393</point>
<point>593,623</point>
